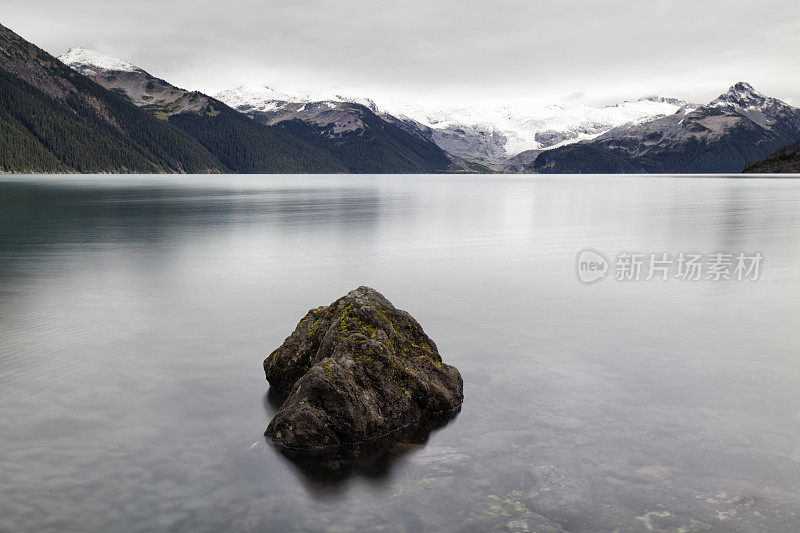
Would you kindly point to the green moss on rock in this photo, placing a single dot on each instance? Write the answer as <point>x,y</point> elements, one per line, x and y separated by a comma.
<point>356,370</point>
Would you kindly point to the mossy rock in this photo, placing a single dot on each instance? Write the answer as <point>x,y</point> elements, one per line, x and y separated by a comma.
<point>357,371</point>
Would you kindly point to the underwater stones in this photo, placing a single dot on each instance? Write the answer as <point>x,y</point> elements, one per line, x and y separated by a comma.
<point>533,523</point>
<point>356,371</point>
<point>441,461</point>
<point>562,494</point>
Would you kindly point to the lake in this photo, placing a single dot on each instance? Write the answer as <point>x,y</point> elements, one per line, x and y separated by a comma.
<point>135,313</point>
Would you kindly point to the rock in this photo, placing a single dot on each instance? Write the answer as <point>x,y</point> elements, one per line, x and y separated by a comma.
<point>561,494</point>
<point>355,371</point>
<point>661,522</point>
<point>533,523</point>
<point>441,461</point>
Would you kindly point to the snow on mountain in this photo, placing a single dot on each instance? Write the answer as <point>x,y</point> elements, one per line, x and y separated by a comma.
<point>269,106</point>
<point>485,133</point>
<point>142,88</point>
<point>744,99</point>
<point>256,98</point>
<point>89,62</point>
<point>738,127</point>
<point>263,98</point>
<point>490,134</point>
<point>542,127</point>
<point>741,95</point>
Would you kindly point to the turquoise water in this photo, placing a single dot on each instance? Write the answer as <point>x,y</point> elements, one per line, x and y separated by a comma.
<point>135,313</point>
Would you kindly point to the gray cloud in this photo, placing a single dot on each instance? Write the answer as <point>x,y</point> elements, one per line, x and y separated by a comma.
<point>439,49</point>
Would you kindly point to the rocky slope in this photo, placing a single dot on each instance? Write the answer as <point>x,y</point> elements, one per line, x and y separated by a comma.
<point>144,90</point>
<point>738,127</point>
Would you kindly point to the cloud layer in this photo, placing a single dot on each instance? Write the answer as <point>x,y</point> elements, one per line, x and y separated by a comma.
<point>582,50</point>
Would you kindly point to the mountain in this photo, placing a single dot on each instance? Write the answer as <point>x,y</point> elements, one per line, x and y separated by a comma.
<point>241,145</point>
<point>738,127</point>
<point>336,136</point>
<point>53,119</point>
<point>144,90</point>
<point>103,114</point>
<point>475,138</point>
<point>349,128</point>
<point>784,161</point>
<point>649,135</point>
<point>499,136</point>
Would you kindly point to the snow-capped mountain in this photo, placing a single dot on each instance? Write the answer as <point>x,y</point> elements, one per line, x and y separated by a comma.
<point>89,62</point>
<point>264,99</point>
<point>336,112</point>
<point>738,127</point>
<point>349,126</point>
<point>532,128</point>
<point>343,134</point>
<point>653,134</point>
<point>230,140</point>
<point>142,88</point>
<point>743,98</point>
<point>488,135</point>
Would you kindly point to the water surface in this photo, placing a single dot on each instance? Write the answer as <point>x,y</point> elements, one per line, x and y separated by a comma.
<point>135,313</point>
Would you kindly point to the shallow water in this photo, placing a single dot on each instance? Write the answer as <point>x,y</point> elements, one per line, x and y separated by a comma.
<point>135,314</point>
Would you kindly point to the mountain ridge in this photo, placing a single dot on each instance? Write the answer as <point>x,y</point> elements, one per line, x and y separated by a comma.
<point>491,136</point>
<point>349,132</point>
<point>241,145</point>
<point>104,114</point>
<point>53,119</point>
<point>723,136</point>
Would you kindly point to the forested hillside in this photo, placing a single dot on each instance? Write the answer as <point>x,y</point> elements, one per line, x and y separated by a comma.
<point>784,161</point>
<point>53,119</point>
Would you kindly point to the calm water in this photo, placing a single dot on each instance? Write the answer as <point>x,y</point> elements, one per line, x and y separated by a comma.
<point>135,314</point>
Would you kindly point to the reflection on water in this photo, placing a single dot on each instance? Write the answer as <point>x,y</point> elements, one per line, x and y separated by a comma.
<point>135,314</point>
<point>273,401</point>
<point>331,470</point>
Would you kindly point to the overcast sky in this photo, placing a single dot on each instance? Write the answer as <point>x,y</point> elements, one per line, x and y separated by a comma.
<point>588,51</point>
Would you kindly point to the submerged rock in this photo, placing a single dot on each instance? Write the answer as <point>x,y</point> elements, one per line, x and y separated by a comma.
<point>562,494</point>
<point>533,523</point>
<point>441,461</point>
<point>355,371</point>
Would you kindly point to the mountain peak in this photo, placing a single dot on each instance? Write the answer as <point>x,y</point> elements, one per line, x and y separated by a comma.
<point>89,61</point>
<point>742,94</point>
<point>661,99</point>
<point>742,86</point>
<point>256,97</point>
